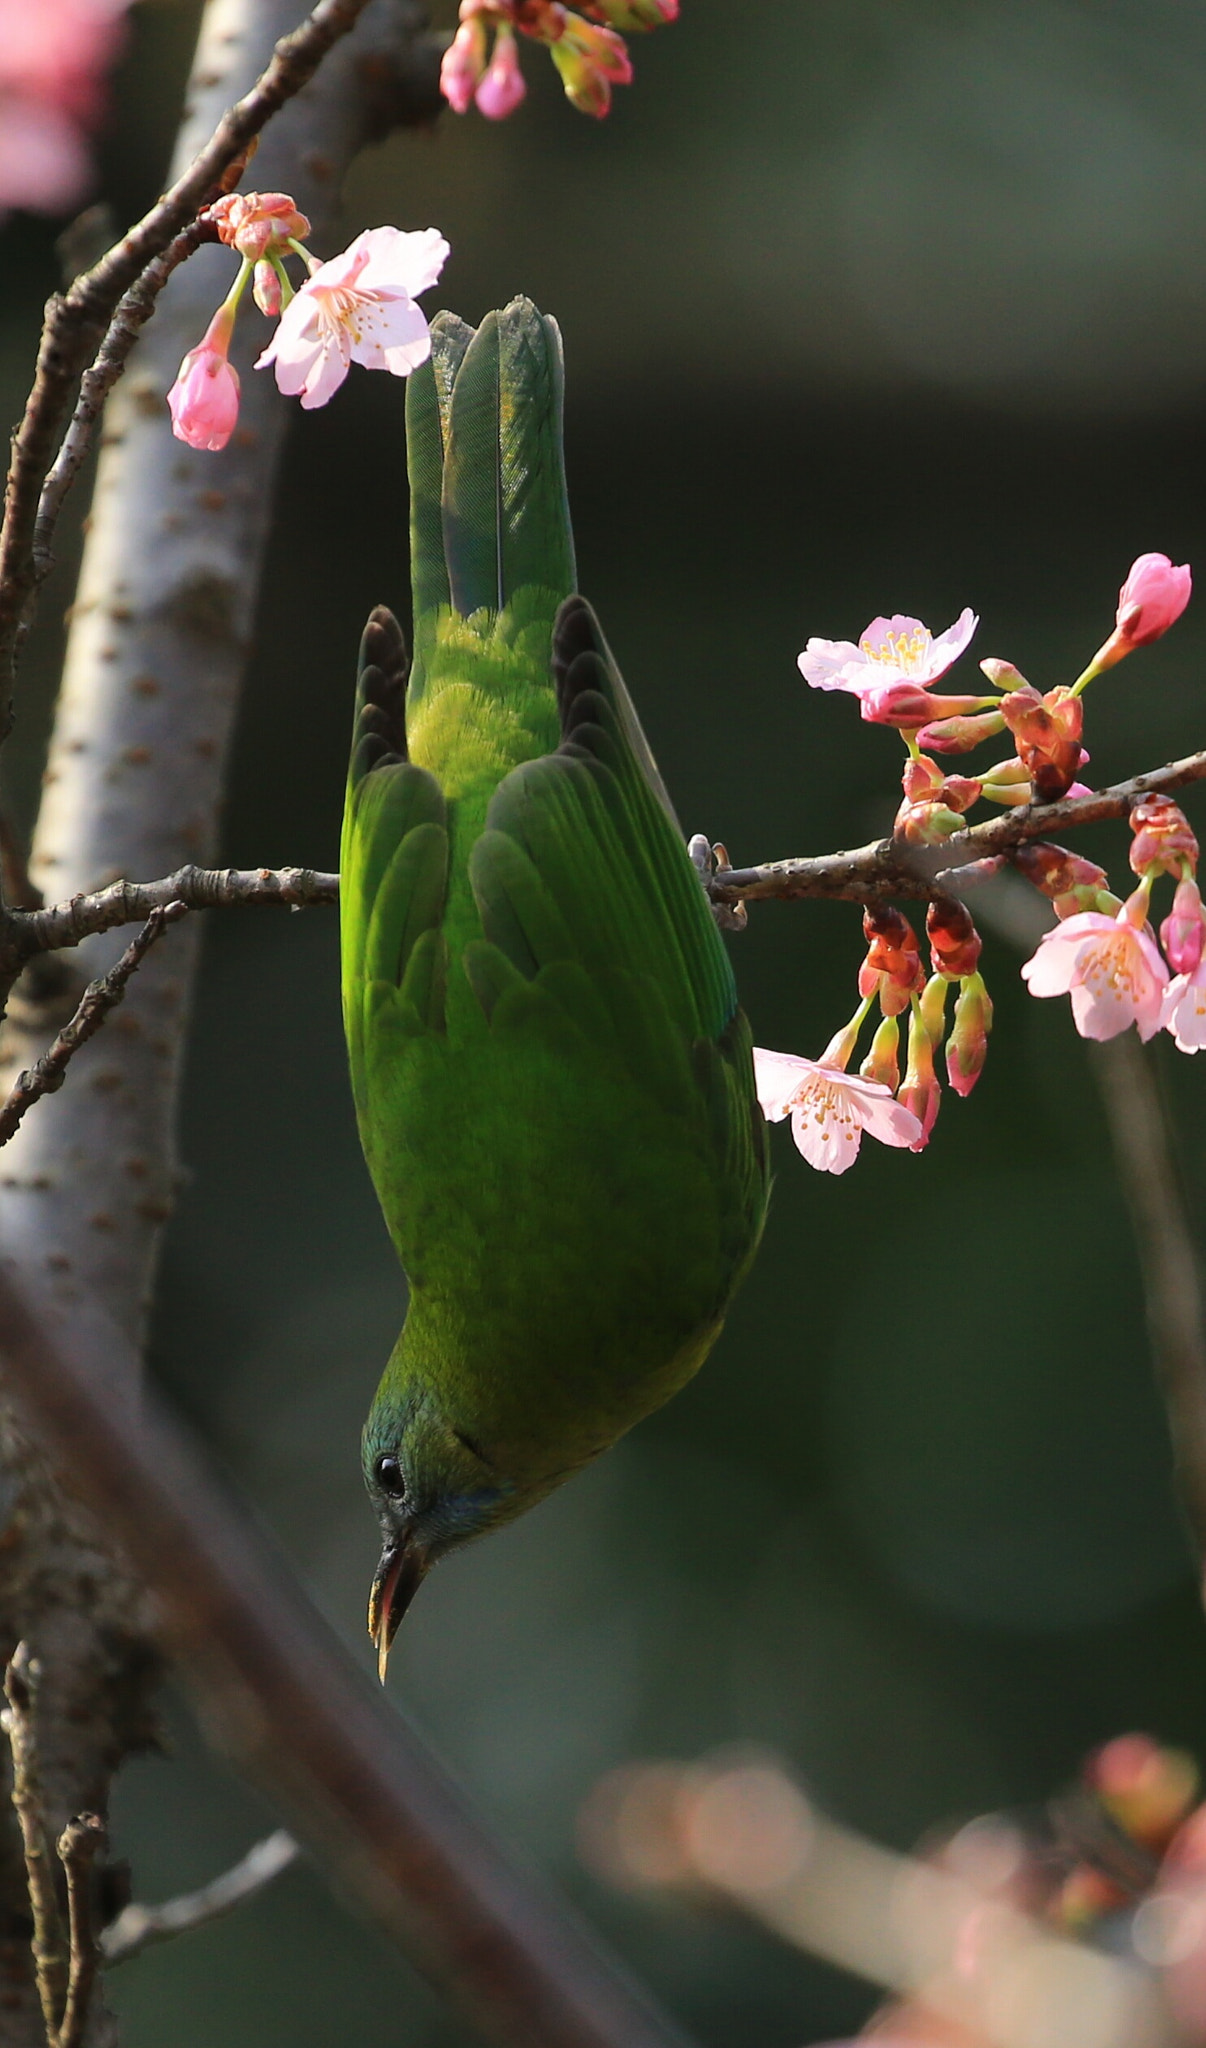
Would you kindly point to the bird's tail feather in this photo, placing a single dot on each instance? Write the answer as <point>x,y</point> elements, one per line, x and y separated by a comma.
<point>489,512</point>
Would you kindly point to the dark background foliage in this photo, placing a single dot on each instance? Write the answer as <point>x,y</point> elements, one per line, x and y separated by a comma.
<point>867,307</point>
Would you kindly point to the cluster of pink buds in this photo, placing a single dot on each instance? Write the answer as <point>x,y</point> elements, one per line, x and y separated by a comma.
<point>358,308</point>
<point>1102,951</point>
<point>481,64</point>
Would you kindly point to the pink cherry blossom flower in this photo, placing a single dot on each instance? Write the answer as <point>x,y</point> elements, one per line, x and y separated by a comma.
<point>829,1110</point>
<point>204,400</point>
<point>895,650</point>
<point>1110,967</point>
<point>358,308</point>
<point>1185,1009</point>
<point>1184,929</point>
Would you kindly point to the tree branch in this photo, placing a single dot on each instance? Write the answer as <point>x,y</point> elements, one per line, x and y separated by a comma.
<point>77,319</point>
<point>47,1074</point>
<point>79,1845</point>
<point>309,1726</point>
<point>20,1725</point>
<point>890,867</point>
<point>193,888</point>
<point>136,1927</point>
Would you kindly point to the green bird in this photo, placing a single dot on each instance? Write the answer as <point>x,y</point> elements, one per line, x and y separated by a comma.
<point>553,1080</point>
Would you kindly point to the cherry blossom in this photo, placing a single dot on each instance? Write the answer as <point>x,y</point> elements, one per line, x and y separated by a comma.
<point>829,1110</point>
<point>358,308</point>
<point>891,650</point>
<point>1184,1011</point>
<point>1152,599</point>
<point>1110,967</point>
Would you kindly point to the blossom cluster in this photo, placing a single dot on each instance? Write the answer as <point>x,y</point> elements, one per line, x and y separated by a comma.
<point>481,64</point>
<point>53,58</point>
<point>1102,951</point>
<point>358,308</point>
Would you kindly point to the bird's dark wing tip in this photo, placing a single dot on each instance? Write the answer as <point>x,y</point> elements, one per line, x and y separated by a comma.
<point>384,670</point>
<point>575,633</point>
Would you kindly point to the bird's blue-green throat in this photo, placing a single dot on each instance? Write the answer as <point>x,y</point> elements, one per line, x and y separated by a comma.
<point>553,1079</point>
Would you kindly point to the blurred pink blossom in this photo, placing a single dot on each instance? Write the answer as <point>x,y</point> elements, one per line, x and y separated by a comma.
<point>358,308</point>
<point>829,1110</point>
<point>891,650</point>
<point>1111,969</point>
<point>501,88</point>
<point>53,57</point>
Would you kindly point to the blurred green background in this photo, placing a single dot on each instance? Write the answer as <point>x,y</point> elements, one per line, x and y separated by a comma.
<point>868,306</point>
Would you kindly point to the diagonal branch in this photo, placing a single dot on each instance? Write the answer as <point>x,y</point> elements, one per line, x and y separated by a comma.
<point>47,1074</point>
<point>299,1717</point>
<point>890,867</point>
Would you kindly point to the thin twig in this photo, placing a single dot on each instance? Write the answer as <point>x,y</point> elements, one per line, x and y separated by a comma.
<point>1168,1261</point>
<point>277,1687</point>
<point>47,1074</point>
<point>136,1927</point>
<point>79,1844</point>
<point>133,311</point>
<point>49,1941</point>
<point>77,320</point>
<point>889,867</point>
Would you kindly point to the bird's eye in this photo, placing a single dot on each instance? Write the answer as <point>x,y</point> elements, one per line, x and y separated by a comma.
<point>389,1476</point>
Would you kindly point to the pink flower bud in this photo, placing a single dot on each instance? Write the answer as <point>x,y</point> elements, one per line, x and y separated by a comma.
<point>1164,839</point>
<point>882,1063</point>
<point>954,941</point>
<point>463,63</point>
<point>502,87</point>
<point>920,1090</point>
<point>266,289</point>
<point>1183,930</point>
<point>967,1046</point>
<point>920,779</point>
<point>960,735</point>
<point>933,1008</point>
<point>204,400</point>
<point>907,705</point>
<point>1152,599</point>
<point>255,222</point>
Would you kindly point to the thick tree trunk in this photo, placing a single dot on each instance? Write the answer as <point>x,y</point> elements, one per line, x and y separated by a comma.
<point>158,641</point>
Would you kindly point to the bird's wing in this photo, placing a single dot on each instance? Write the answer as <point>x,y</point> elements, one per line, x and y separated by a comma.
<point>592,912</point>
<point>393,862</point>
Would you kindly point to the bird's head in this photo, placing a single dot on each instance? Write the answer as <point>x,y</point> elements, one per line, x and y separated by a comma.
<point>432,1487</point>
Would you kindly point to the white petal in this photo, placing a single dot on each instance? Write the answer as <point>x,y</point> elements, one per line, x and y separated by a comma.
<point>828,1137</point>
<point>949,645</point>
<point>891,1122</point>
<point>824,663</point>
<point>778,1076</point>
<point>389,325</point>
<point>328,368</point>
<point>413,261</point>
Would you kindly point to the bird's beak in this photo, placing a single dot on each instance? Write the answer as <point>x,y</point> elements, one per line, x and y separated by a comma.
<point>400,1573</point>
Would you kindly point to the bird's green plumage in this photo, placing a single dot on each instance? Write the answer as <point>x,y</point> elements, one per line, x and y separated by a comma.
<point>552,1076</point>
